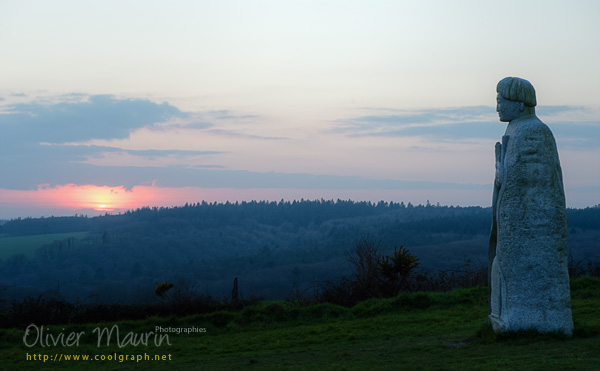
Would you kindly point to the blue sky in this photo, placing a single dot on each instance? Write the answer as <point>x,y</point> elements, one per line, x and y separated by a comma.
<point>235,100</point>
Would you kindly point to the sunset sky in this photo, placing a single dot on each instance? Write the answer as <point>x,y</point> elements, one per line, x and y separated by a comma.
<point>114,105</point>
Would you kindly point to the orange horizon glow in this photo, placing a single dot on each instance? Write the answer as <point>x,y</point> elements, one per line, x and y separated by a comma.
<point>90,197</point>
<point>106,199</point>
<point>70,199</point>
<point>99,199</point>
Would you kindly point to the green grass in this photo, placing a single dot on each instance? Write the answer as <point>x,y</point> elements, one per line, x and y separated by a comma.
<point>418,331</point>
<point>27,245</point>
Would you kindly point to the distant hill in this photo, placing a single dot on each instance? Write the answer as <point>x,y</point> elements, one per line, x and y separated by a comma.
<point>270,246</point>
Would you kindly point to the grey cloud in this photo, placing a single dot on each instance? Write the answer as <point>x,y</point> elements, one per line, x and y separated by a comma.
<point>197,125</point>
<point>229,115</point>
<point>206,177</point>
<point>443,132</point>
<point>405,119</point>
<point>26,162</point>
<point>577,135</point>
<point>207,119</point>
<point>467,123</point>
<point>553,110</point>
<point>237,134</point>
<point>161,152</point>
<point>101,117</point>
<point>85,150</point>
<point>34,150</point>
<point>37,164</point>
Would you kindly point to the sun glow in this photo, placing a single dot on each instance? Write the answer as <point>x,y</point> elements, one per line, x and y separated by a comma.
<point>89,197</point>
<point>97,200</point>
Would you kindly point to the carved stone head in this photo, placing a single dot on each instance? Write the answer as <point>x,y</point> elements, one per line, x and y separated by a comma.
<point>516,98</point>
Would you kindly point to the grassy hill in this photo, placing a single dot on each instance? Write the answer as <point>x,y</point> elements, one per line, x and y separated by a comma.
<point>413,331</point>
<point>27,245</point>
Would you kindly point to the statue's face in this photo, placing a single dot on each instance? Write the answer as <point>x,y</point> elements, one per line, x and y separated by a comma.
<point>508,110</point>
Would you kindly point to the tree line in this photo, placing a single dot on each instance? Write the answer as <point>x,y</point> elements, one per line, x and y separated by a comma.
<point>270,246</point>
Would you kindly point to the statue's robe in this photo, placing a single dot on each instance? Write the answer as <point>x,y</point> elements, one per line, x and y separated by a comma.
<point>529,276</point>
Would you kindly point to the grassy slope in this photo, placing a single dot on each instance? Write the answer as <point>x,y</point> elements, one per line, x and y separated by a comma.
<point>27,245</point>
<point>411,331</point>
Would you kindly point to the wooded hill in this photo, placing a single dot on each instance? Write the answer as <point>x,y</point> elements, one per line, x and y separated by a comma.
<point>270,246</point>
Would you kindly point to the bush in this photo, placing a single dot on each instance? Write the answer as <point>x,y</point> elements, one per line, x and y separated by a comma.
<point>373,275</point>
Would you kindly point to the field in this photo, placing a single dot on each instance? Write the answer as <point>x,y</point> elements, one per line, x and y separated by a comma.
<point>413,331</point>
<point>27,245</point>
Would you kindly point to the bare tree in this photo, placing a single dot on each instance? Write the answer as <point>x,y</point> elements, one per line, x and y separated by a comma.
<point>366,255</point>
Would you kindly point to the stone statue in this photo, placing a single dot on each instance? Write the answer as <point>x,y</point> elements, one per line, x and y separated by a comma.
<point>527,258</point>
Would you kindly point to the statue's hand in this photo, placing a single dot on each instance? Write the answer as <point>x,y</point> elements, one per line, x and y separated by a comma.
<point>499,166</point>
<point>499,174</point>
<point>498,152</point>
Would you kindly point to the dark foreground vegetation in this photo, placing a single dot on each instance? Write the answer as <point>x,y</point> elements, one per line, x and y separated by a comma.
<point>374,275</point>
<point>410,331</point>
<point>276,250</point>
